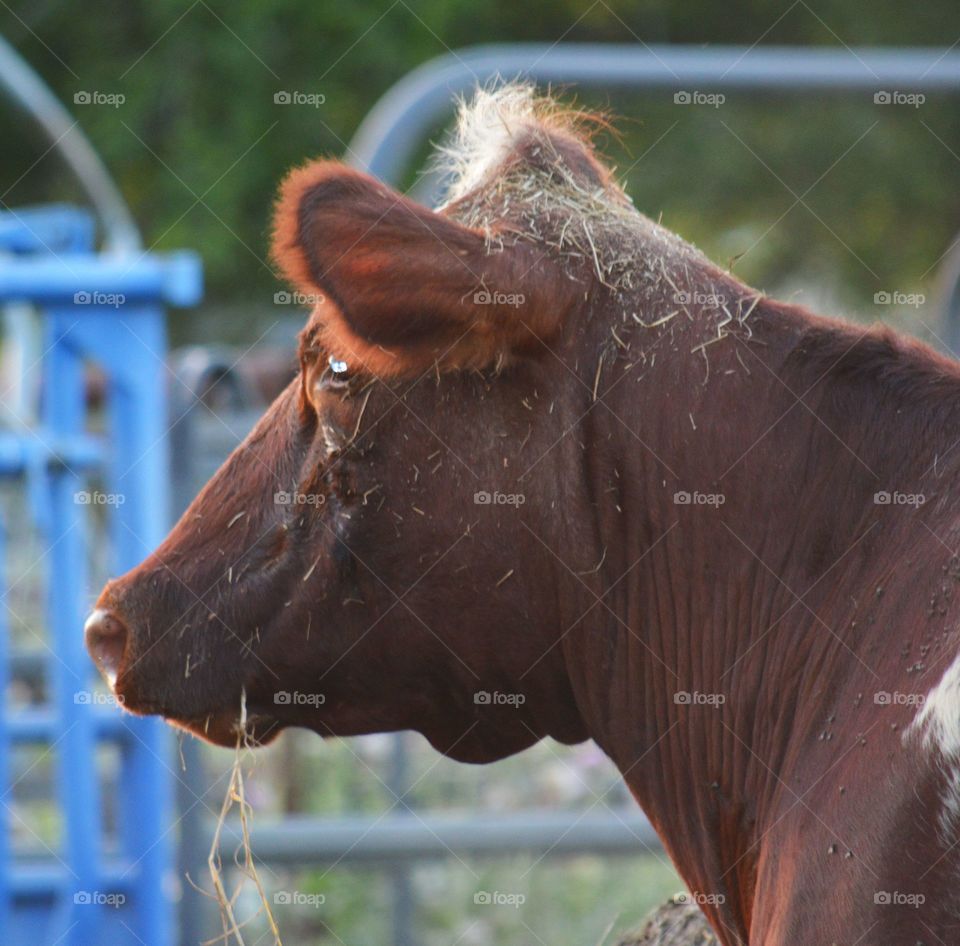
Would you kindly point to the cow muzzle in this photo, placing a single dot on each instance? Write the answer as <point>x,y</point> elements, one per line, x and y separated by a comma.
<point>106,637</point>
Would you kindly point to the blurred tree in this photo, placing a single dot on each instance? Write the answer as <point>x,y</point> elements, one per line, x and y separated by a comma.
<point>199,143</point>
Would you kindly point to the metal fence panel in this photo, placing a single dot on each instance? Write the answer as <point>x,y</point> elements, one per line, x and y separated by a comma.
<point>105,311</point>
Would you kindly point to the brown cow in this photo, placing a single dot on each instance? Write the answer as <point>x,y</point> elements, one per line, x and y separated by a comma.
<point>546,471</point>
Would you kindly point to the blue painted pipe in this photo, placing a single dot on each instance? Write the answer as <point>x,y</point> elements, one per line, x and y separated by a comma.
<point>89,282</point>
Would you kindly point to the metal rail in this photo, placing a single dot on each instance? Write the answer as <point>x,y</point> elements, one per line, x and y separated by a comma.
<point>63,131</point>
<point>388,138</point>
<point>408,837</point>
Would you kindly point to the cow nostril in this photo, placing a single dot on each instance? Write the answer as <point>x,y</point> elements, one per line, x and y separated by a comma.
<point>106,638</point>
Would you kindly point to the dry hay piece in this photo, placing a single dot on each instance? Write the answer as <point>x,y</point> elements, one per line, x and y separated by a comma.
<point>243,859</point>
<point>678,922</point>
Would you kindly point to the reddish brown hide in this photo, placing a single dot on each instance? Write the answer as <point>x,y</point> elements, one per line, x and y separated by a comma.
<point>578,482</point>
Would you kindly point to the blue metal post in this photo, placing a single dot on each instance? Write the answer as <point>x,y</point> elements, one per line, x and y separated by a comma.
<point>139,471</point>
<point>5,748</point>
<point>78,790</point>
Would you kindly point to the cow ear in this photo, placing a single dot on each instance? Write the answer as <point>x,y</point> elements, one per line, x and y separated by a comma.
<point>399,288</point>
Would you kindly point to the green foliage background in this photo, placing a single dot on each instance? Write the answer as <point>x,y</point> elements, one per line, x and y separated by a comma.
<point>199,145</point>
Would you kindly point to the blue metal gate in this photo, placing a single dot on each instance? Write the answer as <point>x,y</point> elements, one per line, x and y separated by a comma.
<point>88,459</point>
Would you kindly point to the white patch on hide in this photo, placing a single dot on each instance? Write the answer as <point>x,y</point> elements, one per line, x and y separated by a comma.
<point>938,726</point>
<point>939,717</point>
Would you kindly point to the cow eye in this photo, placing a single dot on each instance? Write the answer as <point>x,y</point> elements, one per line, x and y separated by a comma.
<point>327,380</point>
<point>324,377</point>
<point>338,368</point>
<point>337,373</point>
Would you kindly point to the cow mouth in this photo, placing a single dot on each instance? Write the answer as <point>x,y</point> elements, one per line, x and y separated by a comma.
<point>224,728</point>
<point>220,727</point>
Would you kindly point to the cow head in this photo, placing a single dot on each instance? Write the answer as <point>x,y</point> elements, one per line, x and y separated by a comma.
<point>374,556</point>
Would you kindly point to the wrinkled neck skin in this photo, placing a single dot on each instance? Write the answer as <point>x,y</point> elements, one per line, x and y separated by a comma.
<point>731,666</point>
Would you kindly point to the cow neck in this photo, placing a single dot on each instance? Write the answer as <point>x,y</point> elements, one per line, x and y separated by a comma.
<point>757,582</point>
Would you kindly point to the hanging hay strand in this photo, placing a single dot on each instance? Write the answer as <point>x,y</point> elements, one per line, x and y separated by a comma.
<point>243,857</point>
